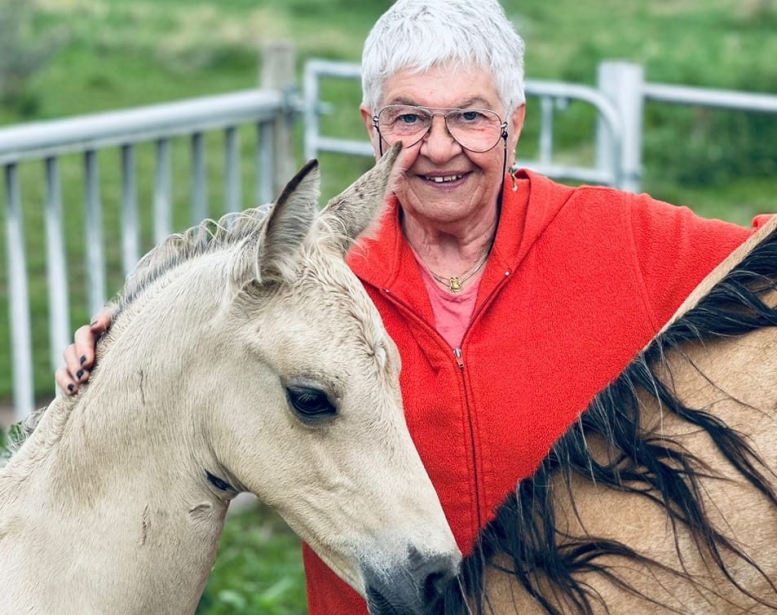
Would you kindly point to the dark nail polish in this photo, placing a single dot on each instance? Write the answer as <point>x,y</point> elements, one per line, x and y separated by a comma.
<point>82,360</point>
<point>70,388</point>
<point>79,373</point>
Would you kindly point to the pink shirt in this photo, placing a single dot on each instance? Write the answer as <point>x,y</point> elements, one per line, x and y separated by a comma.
<point>452,312</point>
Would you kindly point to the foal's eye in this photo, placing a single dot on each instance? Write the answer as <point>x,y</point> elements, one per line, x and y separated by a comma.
<point>309,403</point>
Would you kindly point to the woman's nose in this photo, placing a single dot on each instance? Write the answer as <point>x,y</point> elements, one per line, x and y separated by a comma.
<point>438,143</point>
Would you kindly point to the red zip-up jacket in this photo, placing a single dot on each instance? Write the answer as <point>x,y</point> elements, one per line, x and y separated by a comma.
<point>579,280</point>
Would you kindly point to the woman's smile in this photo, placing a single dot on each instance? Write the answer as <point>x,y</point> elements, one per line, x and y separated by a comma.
<point>446,184</point>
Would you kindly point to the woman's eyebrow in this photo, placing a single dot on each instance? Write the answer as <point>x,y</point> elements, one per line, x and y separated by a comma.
<point>475,101</point>
<point>403,101</point>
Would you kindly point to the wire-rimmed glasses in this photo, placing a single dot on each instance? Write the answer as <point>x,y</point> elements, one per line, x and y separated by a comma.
<point>476,130</point>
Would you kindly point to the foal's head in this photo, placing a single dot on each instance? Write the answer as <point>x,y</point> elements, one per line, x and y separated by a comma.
<point>264,354</point>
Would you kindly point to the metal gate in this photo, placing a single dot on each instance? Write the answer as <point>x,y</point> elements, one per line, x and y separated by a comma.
<point>552,95</point>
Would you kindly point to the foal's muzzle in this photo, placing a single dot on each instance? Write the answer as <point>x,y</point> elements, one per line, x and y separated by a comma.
<point>414,589</point>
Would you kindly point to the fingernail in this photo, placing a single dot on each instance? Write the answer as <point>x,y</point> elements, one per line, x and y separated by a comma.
<point>79,373</point>
<point>82,360</point>
<point>70,388</point>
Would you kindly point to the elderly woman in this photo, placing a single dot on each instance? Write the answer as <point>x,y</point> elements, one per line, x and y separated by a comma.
<point>513,300</point>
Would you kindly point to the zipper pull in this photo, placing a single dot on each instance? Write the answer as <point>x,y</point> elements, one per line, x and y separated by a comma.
<point>457,354</point>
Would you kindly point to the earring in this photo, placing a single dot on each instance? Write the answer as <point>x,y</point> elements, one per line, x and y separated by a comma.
<point>512,179</point>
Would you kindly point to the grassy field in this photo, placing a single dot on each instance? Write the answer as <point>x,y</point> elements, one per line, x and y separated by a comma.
<point>108,54</point>
<point>111,54</point>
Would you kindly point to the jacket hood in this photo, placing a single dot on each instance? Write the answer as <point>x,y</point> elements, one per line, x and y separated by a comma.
<point>525,213</point>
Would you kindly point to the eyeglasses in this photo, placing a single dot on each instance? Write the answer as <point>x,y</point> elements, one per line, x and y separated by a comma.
<point>477,130</point>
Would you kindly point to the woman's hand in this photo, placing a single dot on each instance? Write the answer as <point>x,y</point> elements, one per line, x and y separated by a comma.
<point>79,356</point>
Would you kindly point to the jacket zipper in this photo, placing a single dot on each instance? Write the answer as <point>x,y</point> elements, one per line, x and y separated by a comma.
<point>459,360</point>
<point>473,450</point>
<point>458,357</point>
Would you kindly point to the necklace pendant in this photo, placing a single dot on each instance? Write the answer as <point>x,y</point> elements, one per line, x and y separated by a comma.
<point>454,284</point>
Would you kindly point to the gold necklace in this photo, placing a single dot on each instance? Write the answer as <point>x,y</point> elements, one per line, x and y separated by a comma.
<point>456,282</point>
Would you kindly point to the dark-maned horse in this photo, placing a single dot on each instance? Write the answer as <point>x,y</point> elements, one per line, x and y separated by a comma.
<point>662,498</point>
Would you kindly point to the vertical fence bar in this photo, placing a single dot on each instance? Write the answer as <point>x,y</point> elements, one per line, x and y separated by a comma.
<point>56,266</point>
<point>19,297</point>
<point>95,258</point>
<point>130,250</point>
<point>546,130</point>
<point>312,128</point>
<point>232,192</point>
<point>264,164</point>
<point>162,191</point>
<point>199,183</point>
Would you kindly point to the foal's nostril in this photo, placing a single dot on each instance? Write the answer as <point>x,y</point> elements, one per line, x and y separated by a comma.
<point>418,587</point>
<point>440,574</point>
<point>436,584</point>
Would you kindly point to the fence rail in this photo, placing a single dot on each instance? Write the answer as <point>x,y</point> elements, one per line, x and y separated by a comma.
<point>39,140</point>
<point>266,108</point>
<point>625,85</point>
<point>618,98</point>
<point>708,97</point>
<point>607,171</point>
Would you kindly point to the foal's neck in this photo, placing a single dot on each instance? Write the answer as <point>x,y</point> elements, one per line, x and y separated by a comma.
<point>113,506</point>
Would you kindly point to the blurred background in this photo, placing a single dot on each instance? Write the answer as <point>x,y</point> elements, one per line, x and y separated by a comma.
<point>60,58</point>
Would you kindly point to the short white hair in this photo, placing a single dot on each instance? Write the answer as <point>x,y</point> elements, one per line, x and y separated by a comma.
<point>419,34</point>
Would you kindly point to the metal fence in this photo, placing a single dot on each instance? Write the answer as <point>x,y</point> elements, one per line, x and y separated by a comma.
<point>624,84</point>
<point>618,99</point>
<point>552,95</point>
<point>268,108</point>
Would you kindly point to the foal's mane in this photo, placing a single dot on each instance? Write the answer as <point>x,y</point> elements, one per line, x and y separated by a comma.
<point>525,528</point>
<point>205,238</point>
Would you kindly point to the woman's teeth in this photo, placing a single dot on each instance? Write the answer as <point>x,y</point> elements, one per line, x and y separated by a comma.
<point>442,180</point>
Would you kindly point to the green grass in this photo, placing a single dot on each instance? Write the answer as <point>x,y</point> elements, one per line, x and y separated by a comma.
<point>119,53</point>
<point>259,568</point>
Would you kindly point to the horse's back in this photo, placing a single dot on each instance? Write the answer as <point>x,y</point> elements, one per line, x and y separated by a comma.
<point>667,568</point>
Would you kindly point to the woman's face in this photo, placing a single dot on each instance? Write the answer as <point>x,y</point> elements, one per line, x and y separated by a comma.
<point>472,180</point>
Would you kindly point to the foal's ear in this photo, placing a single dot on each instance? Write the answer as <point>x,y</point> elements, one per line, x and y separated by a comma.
<point>354,211</point>
<point>287,224</point>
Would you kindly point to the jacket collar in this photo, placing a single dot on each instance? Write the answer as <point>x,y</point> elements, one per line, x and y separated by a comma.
<point>386,262</point>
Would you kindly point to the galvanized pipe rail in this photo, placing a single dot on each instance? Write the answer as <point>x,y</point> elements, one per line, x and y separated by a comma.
<point>710,97</point>
<point>550,93</point>
<point>618,97</point>
<point>624,83</point>
<point>267,109</point>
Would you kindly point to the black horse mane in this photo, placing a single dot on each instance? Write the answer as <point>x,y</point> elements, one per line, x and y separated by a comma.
<point>524,527</point>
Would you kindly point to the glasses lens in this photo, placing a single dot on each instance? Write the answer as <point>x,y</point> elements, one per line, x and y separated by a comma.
<point>403,123</point>
<point>477,130</point>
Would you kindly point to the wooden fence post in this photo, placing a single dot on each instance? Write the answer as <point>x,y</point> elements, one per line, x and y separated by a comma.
<point>278,73</point>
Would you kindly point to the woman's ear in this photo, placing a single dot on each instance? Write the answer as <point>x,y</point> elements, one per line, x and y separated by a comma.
<point>515,126</point>
<point>371,131</point>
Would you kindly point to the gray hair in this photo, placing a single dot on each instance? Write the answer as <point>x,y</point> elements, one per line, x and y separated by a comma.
<point>420,34</point>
